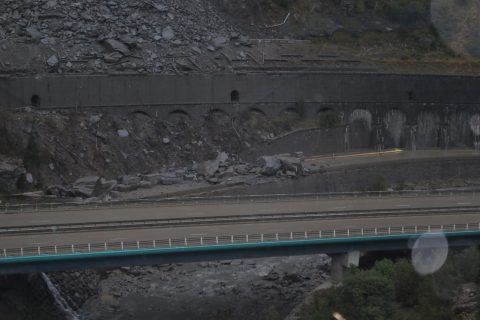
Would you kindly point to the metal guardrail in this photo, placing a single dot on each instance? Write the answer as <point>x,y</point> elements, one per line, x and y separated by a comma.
<point>72,206</point>
<point>194,242</point>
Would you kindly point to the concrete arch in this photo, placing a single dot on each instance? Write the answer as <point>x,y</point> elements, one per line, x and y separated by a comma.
<point>427,131</point>
<point>256,111</point>
<point>394,123</point>
<point>328,117</point>
<point>360,129</point>
<point>179,115</point>
<point>459,130</point>
<point>141,112</point>
<point>216,111</point>
<point>292,112</point>
<point>475,124</point>
<point>361,115</point>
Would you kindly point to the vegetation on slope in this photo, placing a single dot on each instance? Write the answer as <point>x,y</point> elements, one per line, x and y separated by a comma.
<point>393,290</point>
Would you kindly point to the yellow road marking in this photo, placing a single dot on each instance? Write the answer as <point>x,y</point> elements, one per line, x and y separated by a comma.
<point>353,155</point>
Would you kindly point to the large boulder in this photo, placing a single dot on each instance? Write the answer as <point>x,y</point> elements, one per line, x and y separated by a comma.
<point>85,187</point>
<point>59,191</point>
<point>208,168</point>
<point>129,180</point>
<point>270,165</point>
<point>103,186</point>
<point>291,164</point>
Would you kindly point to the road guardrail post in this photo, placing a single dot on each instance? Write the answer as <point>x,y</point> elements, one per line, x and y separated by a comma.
<point>121,245</point>
<point>21,251</point>
<point>38,249</point>
<point>73,249</point>
<point>89,248</point>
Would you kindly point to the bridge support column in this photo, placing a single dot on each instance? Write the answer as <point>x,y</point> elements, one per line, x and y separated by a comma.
<point>341,261</point>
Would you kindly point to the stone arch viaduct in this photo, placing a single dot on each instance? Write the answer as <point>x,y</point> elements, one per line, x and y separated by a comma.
<point>394,109</point>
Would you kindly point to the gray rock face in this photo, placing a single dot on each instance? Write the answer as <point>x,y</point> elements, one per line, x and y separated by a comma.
<point>270,165</point>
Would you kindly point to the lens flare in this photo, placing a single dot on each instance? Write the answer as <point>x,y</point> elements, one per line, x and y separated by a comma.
<point>429,253</point>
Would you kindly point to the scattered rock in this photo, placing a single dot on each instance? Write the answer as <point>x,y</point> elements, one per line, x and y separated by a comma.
<point>166,140</point>
<point>123,133</point>
<point>53,61</point>
<point>34,33</point>
<point>113,57</point>
<point>167,33</point>
<point>219,42</point>
<point>115,45</point>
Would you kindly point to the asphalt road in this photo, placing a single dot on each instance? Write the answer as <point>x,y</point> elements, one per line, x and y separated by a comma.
<point>224,209</point>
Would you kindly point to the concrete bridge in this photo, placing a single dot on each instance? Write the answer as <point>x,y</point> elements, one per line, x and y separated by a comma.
<point>228,228</point>
<point>387,110</point>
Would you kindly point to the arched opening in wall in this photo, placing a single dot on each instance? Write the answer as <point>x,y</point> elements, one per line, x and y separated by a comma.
<point>35,101</point>
<point>217,116</point>
<point>178,116</point>
<point>234,96</point>
<point>328,118</point>
<point>253,117</point>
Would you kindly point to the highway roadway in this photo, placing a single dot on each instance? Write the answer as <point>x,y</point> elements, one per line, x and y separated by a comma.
<point>356,212</point>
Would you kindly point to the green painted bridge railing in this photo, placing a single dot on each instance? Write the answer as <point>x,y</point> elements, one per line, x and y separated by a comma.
<point>229,242</point>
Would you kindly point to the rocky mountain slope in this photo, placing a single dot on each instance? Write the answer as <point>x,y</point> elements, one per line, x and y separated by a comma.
<point>172,36</point>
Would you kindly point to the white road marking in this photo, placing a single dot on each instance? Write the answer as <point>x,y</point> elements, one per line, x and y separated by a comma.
<point>268,210</point>
<point>403,205</point>
<point>118,239</point>
<point>463,203</point>
<point>338,208</point>
<point>39,221</point>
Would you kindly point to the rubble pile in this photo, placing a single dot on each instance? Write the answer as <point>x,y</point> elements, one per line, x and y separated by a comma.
<point>106,154</point>
<point>86,36</point>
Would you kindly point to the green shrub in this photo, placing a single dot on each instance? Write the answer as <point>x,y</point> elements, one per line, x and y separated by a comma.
<point>328,119</point>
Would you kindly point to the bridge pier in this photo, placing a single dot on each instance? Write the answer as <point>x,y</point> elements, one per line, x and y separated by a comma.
<point>341,261</point>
